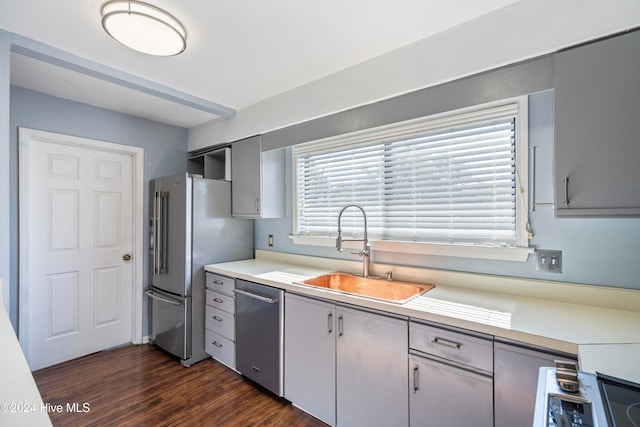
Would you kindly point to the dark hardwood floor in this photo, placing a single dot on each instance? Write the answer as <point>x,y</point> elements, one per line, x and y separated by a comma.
<point>143,386</point>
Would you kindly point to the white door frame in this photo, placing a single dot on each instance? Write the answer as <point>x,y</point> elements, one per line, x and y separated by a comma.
<point>137,156</point>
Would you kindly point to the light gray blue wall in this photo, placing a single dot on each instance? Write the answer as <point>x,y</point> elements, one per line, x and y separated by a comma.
<point>4,164</point>
<point>165,151</point>
<point>598,251</point>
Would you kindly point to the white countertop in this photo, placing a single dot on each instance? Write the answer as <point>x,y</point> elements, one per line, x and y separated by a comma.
<point>20,400</point>
<point>599,324</point>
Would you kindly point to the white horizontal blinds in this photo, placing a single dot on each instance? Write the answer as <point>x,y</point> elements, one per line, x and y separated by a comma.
<point>448,182</point>
<point>456,186</point>
<point>326,182</point>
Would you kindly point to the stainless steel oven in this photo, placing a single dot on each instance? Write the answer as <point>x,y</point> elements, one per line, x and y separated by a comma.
<point>568,397</point>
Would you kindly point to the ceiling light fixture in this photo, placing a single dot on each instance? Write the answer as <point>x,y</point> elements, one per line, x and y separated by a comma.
<point>144,27</point>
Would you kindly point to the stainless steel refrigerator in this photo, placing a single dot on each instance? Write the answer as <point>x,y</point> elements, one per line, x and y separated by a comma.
<point>191,226</point>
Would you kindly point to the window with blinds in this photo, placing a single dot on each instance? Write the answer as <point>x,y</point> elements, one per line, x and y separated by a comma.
<point>447,179</point>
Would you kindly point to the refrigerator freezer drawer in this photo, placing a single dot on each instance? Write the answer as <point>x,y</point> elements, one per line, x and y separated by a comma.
<point>171,323</point>
<point>218,283</point>
<point>220,322</point>
<point>221,348</point>
<point>221,302</point>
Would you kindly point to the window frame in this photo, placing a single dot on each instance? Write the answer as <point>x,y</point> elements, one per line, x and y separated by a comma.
<point>517,106</point>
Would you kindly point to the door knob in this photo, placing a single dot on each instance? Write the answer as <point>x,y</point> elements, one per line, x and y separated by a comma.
<point>126,257</point>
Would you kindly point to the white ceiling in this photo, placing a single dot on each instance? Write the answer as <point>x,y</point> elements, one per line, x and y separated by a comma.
<point>238,52</point>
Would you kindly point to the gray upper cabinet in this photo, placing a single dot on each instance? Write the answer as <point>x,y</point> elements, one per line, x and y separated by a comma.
<point>214,164</point>
<point>257,180</point>
<point>597,128</point>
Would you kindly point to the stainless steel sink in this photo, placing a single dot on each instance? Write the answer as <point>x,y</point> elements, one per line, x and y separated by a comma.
<point>398,292</point>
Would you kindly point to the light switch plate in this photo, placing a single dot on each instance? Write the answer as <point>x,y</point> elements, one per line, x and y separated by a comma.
<point>548,260</point>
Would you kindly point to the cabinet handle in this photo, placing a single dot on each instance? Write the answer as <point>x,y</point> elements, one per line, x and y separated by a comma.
<point>219,319</point>
<point>533,178</point>
<point>447,343</point>
<point>340,326</point>
<point>218,300</point>
<point>566,190</point>
<point>330,322</point>
<point>257,205</point>
<point>415,379</point>
<point>217,344</point>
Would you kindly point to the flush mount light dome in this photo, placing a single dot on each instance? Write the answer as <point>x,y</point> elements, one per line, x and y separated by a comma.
<point>144,28</point>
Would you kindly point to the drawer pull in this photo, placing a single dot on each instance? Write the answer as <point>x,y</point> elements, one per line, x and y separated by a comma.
<point>218,282</point>
<point>217,344</point>
<point>447,343</point>
<point>218,300</point>
<point>219,319</point>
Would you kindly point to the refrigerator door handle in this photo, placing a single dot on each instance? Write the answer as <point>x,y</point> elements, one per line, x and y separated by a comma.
<point>155,239</point>
<point>159,229</point>
<point>153,295</point>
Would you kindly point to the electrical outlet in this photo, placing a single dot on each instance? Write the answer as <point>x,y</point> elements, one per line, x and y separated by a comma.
<point>550,261</point>
<point>270,240</point>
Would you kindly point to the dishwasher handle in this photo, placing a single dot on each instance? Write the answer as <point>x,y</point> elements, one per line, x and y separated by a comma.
<point>254,296</point>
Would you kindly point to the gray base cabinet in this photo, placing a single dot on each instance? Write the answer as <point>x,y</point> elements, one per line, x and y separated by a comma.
<point>451,377</point>
<point>597,98</point>
<point>310,356</point>
<point>515,382</point>
<point>446,395</point>
<point>371,369</point>
<point>344,366</point>
<point>220,309</point>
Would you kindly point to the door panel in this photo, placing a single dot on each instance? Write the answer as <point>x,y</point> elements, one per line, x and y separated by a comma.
<point>107,295</point>
<point>107,207</point>
<point>63,232</point>
<point>63,304</point>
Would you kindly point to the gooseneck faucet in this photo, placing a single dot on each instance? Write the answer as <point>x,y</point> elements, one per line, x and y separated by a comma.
<point>364,253</point>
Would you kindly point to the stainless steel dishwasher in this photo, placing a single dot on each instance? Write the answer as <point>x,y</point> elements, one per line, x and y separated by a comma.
<point>260,334</point>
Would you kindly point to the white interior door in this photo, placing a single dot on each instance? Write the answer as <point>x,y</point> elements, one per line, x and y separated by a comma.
<point>76,295</point>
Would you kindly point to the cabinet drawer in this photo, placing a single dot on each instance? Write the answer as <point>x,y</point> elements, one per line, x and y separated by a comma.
<point>221,301</point>
<point>474,351</point>
<point>218,283</point>
<point>220,348</point>
<point>221,323</point>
